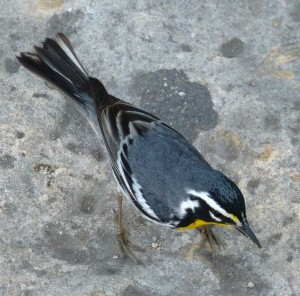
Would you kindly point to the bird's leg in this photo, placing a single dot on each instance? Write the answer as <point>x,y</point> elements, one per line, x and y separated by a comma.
<point>209,235</point>
<point>124,243</point>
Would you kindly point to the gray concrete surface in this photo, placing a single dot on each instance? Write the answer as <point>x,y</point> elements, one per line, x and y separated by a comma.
<point>225,73</point>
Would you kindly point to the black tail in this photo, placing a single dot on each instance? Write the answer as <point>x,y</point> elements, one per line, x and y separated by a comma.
<point>56,62</point>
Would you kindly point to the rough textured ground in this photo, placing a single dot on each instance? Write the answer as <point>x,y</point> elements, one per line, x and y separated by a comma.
<point>225,73</point>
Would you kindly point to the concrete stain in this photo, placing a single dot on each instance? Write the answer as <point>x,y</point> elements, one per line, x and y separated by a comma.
<point>232,48</point>
<point>184,105</point>
<point>11,65</point>
<point>65,22</point>
<point>7,161</point>
<point>88,204</point>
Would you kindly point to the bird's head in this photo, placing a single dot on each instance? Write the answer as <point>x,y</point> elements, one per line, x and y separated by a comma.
<point>220,202</point>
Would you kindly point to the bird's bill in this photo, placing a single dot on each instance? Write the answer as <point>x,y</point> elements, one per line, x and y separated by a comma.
<point>246,230</point>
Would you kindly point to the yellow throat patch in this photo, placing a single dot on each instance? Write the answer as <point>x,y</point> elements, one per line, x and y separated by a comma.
<point>199,223</point>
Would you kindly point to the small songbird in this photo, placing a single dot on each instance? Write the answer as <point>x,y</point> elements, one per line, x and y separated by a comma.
<point>157,169</point>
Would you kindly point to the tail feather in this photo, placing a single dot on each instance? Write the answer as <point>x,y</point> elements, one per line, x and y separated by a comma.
<point>64,62</point>
<point>66,46</point>
<point>56,62</point>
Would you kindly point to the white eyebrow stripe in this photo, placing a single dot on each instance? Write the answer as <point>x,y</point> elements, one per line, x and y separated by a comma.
<point>205,197</point>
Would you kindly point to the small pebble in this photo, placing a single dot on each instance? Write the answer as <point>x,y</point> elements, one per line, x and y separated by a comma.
<point>154,245</point>
<point>251,285</point>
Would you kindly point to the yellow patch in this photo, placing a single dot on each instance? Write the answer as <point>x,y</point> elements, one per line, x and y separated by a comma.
<point>296,177</point>
<point>199,223</point>
<point>269,153</point>
<point>234,218</point>
<point>283,74</point>
<point>49,4</point>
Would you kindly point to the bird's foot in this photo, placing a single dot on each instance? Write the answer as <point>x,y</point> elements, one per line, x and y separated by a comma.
<point>125,245</point>
<point>209,236</point>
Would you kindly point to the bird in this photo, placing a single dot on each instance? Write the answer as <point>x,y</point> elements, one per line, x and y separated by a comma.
<point>163,175</point>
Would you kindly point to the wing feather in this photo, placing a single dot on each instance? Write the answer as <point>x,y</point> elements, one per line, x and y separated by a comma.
<point>120,123</point>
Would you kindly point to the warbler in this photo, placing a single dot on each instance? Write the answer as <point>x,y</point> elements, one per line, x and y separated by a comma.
<point>157,169</point>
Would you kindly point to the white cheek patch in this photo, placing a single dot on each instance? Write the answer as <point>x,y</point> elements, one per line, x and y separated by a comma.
<point>187,205</point>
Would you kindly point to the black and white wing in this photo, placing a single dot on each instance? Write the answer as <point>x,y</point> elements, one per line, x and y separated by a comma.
<point>120,124</point>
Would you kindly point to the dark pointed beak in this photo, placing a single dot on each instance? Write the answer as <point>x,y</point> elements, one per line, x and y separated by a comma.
<point>246,230</point>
